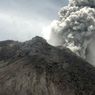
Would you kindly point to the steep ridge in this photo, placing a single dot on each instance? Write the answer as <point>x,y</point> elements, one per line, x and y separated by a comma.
<point>37,68</point>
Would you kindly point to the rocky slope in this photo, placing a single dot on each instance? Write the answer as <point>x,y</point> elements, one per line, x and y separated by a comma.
<point>37,68</point>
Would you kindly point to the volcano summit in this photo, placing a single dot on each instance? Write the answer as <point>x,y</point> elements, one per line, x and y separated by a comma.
<point>37,68</point>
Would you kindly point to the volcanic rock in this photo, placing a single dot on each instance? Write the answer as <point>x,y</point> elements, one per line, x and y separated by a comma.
<point>36,68</point>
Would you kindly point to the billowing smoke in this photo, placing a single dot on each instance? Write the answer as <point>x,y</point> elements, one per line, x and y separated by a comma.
<point>75,28</point>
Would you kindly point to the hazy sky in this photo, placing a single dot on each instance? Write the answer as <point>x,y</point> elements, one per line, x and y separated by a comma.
<point>24,19</point>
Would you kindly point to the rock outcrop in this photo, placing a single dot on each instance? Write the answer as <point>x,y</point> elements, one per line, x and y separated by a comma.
<point>37,68</point>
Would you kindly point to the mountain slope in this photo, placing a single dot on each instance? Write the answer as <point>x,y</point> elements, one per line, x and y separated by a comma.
<point>37,68</point>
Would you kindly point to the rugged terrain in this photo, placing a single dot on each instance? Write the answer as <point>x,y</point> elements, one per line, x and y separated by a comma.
<point>36,68</point>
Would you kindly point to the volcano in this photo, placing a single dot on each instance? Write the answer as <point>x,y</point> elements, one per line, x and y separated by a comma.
<point>36,68</point>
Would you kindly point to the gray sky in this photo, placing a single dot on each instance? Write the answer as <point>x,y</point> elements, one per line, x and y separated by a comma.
<point>23,19</point>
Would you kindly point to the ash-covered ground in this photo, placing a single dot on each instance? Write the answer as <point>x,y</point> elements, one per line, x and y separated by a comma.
<point>37,68</point>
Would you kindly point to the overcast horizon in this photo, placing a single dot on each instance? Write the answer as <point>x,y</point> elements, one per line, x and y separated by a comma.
<point>21,19</point>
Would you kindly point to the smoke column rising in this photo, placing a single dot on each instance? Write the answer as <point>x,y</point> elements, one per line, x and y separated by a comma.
<point>75,28</point>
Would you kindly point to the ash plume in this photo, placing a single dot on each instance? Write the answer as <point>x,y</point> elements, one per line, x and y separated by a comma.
<point>75,28</point>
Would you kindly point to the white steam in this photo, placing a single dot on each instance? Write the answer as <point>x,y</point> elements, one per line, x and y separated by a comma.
<point>75,28</point>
